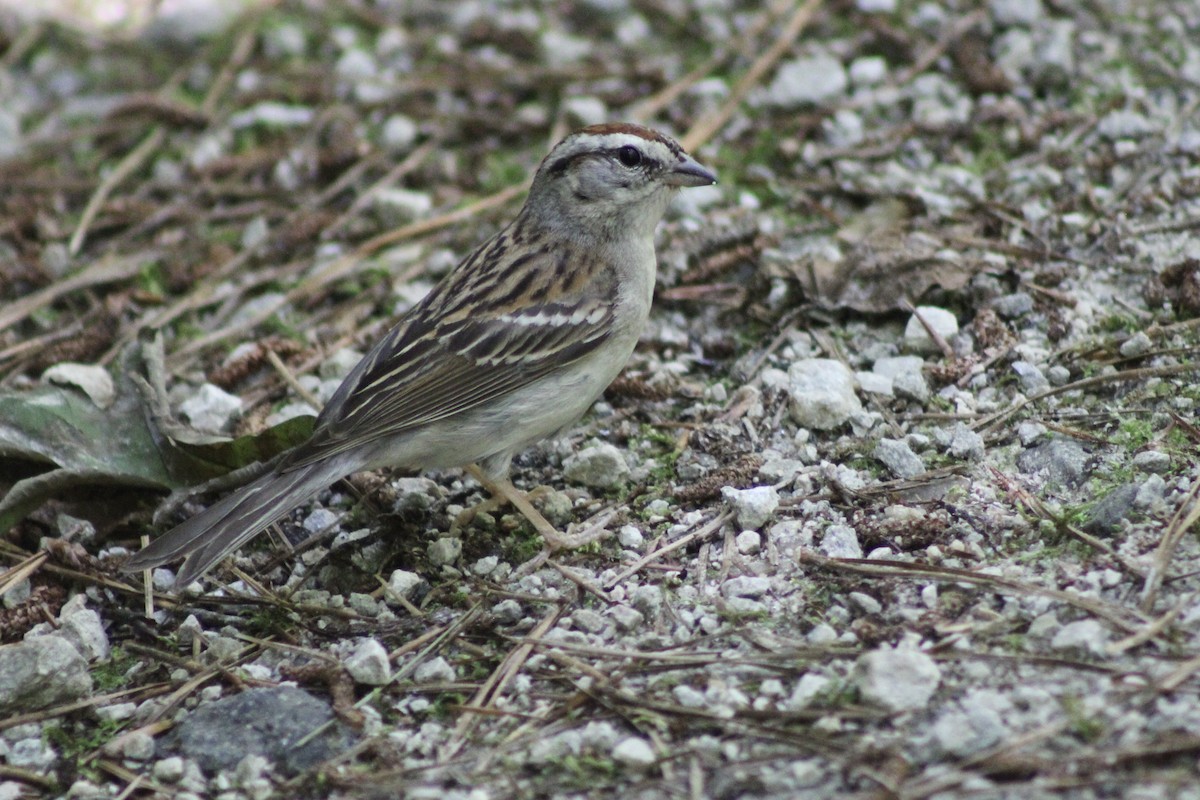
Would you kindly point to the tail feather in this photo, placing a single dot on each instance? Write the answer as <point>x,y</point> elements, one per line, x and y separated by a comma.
<point>220,529</point>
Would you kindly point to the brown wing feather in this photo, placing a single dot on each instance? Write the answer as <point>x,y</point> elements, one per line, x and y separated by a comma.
<point>434,365</point>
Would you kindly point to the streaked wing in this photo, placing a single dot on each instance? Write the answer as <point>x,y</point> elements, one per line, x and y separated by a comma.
<point>446,357</point>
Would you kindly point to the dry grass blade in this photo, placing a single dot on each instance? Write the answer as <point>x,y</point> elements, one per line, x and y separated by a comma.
<point>992,421</point>
<point>111,269</point>
<point>1181,522</point>
<point>1116,615</point>
<point>707,530</point>
<point>130,164</point>
<point>12,577</point>
<point>494,686</point>
<point>704,129</point>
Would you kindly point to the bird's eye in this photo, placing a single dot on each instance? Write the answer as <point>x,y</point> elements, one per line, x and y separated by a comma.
<point>630,156</point>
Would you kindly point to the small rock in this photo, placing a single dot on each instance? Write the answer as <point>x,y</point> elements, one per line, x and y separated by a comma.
<point>1107,514</point>
<point>966,443</point>
<point>507,611</point>
<point>647,599</point>
<point>868,70</point>
<point>168,770</point>
<point>912,386</point>
<point>368,663</point>
<point>630,537</point>
<point>917,339</point>
<point>840,541</point>
<point>688,697</point>
<point>1061,461</point>
<point>865,603</point>
<point>748,542</point>
<point>1016,12</point>
<point>1086,635</point>
<point>627,619</point>
<point>435,670</point>
<point>1030,432</point>
<point>1012,306</point>
<point>1058,375</point>
<point>1137,345</point>
<point>137,746</point>
<point>752,508</point>
<point>634,751</point>
<point>403,583</point>
<point>399,133</point>
<point>903,679</point>
<point>41,672</point>
<point>445,551</point>
<point>1152,461</point>
<point>1032,379</point>
<point>899,458</point>
<point>266,722</point>
<point>600,466</point>
<point>395,206</point>
<point>874,383</point>
<point>1151,492</point>
<point>211,409</point>
<point>589,621</point>
<point>808,688</point>
<point>821,393</point>
<point>752,586</point>
<point>807,81</point>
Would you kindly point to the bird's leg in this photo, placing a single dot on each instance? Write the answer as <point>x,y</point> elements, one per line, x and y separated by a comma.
<point>503,490</point>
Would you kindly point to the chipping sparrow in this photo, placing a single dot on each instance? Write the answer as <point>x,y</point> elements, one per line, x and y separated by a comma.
<point>510,348</point>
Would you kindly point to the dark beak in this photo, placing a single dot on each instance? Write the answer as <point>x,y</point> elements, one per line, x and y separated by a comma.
<point>689,172</point>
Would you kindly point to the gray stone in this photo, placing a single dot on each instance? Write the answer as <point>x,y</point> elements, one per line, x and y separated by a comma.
<point>1030,432</point>
<point>403,583</point>
<point>1106,514</point>
<point>1011,306</point>
<point>41,672</point>
<point>821,393</point>
<point>1060,461</point>
<point>1032,379</point>
<point>1054,53</point>
<point>911,386</point>
<point>841,541</point>
<point>917,339</point>
<point>435,670</point>
<point>874,383</point>
<point>368,664</point>
<point>1016,12</point>
<point>399,133</point>
<point>211,408</point>
<point>1086,635</point>
<point>965,443</point>
<point>266,722</point>
<point>635,752</point>
<point>751,586</point>
<point>807,81</point>
<point>977,725</point>
<point>395,206</point>
<point>903,679</point>
<point>1137,345</point>
<point>899,458</point>
<point>600,466</point>
<point>1152,461</point>
<point>752,508</point>
<point>808,688</point>
<point>630,537</point>
<point>748,542</point>
<point>444,551</point>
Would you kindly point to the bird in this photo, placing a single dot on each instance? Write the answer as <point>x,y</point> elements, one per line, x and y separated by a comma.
<point>511,347</point>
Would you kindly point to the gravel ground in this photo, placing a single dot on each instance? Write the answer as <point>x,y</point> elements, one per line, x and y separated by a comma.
<point>899,486</point>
